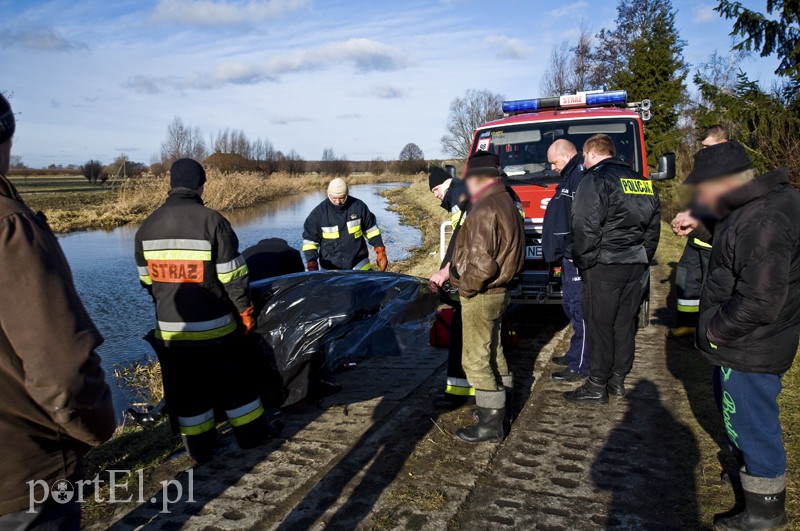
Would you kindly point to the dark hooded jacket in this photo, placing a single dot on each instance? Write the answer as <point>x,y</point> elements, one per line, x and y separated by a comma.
<point>750,306</point>
<point>616,217</point>
<point>54,401</point>
<point>557,227</point>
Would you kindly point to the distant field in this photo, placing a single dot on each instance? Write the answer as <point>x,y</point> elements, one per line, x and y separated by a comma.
<point>45,184</point>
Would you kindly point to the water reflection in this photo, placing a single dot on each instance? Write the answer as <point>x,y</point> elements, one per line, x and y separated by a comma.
<point>105,273</point>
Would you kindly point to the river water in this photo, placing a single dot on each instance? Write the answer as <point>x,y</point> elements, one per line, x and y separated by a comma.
<point>105,272</point>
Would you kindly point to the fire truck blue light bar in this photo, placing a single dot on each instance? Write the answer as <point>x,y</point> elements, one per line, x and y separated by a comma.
<point>584,99</point>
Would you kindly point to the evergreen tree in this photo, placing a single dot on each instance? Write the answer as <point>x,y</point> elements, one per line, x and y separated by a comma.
<point>651,67</point>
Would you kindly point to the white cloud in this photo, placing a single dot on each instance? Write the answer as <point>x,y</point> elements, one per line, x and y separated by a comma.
<point>366,55</point>
<point>508,47</point>
<point>569,9</point>
<point>223,13</point>
<point>704,14</point>
<point>38,38</point>
<point>387,92</point>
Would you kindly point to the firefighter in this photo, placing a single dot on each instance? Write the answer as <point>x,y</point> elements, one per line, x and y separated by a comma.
<point>749,321</point>
<point>616,222</point>
<point>272,257</point>
<point>693,264</point>
<point>488,254</point>
<point>557,247</point>
<point>54,401</point>
<point>452,192</point>
<point>334,233</point>
<point>189,261</point>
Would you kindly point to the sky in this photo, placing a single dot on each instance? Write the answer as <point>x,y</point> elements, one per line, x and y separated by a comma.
<point>97,78</point>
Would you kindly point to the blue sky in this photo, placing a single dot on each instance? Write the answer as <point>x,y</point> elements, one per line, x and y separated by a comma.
<point>95,78</point>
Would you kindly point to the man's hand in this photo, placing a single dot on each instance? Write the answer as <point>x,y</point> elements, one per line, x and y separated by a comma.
<point>312,265</point>
<point>439,278</point>
<point>684,223</point>
<point>248,320</point>
<point>382,259</point>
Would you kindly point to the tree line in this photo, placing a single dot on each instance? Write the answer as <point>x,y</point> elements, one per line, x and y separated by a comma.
<point>643,54</point>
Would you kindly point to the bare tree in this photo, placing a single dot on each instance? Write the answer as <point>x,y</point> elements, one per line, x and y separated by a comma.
<point>411,159</point>
<point>571,67</point>
<point>466,114</point>
<point>182,141</point>
<point>293,163</point>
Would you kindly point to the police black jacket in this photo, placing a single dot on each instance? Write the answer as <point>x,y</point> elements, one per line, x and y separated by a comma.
<point>272,257</point>
<point>750,306</point>
<point>557,227</point>
<point>334,235</point>
<point>188,258</point>
<point>616,217</point>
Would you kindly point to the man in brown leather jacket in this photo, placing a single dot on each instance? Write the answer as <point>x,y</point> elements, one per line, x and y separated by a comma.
<point>54,401</point>
<point>489,253</point>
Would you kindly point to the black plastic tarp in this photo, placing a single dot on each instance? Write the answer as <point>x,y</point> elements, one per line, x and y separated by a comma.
<point>318,321</point>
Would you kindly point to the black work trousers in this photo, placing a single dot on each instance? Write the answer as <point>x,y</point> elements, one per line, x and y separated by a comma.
<point>611,298</point>
<point>689,278</point>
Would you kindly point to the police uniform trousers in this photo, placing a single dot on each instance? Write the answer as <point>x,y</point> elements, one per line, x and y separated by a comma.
<point>611,298</point>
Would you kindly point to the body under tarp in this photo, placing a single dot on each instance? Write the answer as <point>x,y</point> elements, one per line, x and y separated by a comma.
<point>312,323</point>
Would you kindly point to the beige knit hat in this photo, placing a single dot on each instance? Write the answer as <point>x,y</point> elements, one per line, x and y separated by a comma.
<point>337,187</point>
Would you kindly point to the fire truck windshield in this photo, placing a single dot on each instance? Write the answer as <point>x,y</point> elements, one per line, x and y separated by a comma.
<point>522,148</point>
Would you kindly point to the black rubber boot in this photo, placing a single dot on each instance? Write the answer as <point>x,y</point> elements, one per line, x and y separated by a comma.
<point>488,428</point>
<point>449,402</point>
<point>765,505</point>
<point>591,391</point>
<point>616,385</point>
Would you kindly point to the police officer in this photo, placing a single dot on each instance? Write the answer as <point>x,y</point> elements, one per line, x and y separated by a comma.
<point>188,259</point>
<point>334,233</point>
<point>616,221</point>
<point>272,257</point>
<point>452,192</point>
<point>557,247</point>
<point>693,265</point>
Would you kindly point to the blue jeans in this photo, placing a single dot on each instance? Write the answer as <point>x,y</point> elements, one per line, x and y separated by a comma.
<point>749,403</point>
<point>572,302</point>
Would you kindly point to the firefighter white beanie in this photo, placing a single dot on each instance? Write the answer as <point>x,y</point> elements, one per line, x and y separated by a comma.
<point>337,187</point>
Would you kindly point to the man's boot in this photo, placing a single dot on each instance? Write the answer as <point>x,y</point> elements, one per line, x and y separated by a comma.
<point>765,505</point>
<point>490,414</point>
<point>616,385</point>
<point>488,428</point>
<point>591,391</point>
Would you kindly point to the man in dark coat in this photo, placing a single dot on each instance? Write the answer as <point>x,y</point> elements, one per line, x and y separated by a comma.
<point>749,322</point>
<point>616,222</point>
<point>54,401</point>
<point>272,257</point>
<point>557,248</point>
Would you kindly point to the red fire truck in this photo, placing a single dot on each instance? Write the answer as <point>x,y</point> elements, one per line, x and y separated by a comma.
<point>521,139</point>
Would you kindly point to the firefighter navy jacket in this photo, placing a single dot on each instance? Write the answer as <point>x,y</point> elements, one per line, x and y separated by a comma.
<point>188,258</point>
<point>557,231</point>
<point>334,235</point>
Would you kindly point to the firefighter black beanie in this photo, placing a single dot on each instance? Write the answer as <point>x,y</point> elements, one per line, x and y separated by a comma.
<point>186,173</point>
<point>438,177</point>
<point>7,123</point>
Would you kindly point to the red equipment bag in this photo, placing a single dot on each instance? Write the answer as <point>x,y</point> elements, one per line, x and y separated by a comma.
<point>440,330</point>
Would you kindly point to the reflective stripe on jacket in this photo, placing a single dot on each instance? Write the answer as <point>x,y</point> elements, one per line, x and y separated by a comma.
<point>188,257</point>
<point>335,235</point>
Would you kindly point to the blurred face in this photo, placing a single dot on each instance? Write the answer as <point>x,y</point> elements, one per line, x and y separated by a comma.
<point>476,184</point>
<point>440,190</point>
<point>5,157</point>
<point>338,200</point>
<point>709,193</point>
<point>712,141</point>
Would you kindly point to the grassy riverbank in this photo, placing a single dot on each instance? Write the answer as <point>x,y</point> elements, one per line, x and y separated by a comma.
<point>71,204</point>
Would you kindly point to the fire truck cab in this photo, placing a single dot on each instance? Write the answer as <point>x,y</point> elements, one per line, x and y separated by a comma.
<point>521,139</point>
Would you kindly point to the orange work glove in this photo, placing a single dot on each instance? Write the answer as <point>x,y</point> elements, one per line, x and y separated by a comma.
<point>312,265</point>
<point>383,261</point>
<point>248,320</point>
